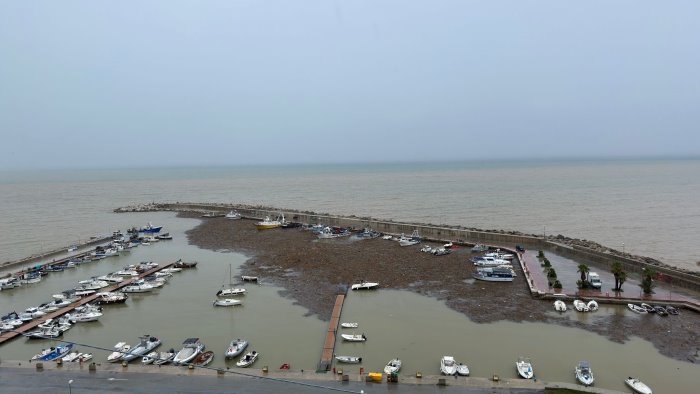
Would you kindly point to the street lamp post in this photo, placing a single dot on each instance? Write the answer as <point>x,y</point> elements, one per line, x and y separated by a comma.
<point>623,248</point>
<point>70,389</point>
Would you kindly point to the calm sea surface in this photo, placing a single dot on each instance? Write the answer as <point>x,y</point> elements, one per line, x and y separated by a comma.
<point>652,206</point>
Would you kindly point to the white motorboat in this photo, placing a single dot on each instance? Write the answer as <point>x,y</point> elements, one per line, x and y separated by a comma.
<point>354,337</point>
<point>111,278</point>
<point>584,374</point>
<point>149,358</point>
<point>636,308</point>
<point>479,248</point>
<point>164,357</point>
<point>230,291</point>
<point>171,270</point>
<point>393,366</point>
<point>146,344</point>
<point>364,286</point>
<point>34,312</point>
<point>138,287</point>
<point>227,302</point>
<point>72,356</point>
<point>498,255</point>
<point>121,349</point>
<point>494,274</point>
<point>248,278</point>
<point>191,348</point>
<point>672,310</point>
<point>348,359</point>
<point>84,357</point>
<point>44,333</point>
<point>233,215</point>
<point>524,368</point>
<point>426,249</point>
<point>107,298</point>
<point>580,306</point>
<point>637,386</point>
<point>84,317</point>
<point>126,272</point>
<point>462,369</point>
<point>592,306</point>
<point>349,325</point>
<point>560,306</point>
<point>448,366</point>
<point>648,308</point>
<point>486,261</point>
<point>247,360</point>
<point>235,348</point>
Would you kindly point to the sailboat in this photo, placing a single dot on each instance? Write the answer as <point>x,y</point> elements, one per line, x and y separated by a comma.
<point>230,290</point>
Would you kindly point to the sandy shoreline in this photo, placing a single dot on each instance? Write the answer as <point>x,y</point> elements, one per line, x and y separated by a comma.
<point>293,258</point>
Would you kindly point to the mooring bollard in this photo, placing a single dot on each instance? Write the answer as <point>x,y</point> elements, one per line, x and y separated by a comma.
<point>92,367</point>
<point>265,369</point>
<point>39,366</point>
<point>442,382</point>
<point>419,374</point>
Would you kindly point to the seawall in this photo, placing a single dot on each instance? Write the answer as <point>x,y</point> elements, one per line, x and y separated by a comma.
<point>443,233</point>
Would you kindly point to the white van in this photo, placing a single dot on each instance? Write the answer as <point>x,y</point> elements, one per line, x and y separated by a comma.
<point>594,280</point>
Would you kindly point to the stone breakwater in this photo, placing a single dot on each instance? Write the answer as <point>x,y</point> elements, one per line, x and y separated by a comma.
<point>588,250</point>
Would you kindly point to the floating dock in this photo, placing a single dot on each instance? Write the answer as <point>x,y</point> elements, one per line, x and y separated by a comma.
<point>6,336</point>
<point>329,345</point>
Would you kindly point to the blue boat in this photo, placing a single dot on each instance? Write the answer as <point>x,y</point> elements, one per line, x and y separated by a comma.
<point>58,352</point>
<point>149,228</point>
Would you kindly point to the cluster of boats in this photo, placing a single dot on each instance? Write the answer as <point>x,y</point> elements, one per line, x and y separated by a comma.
<point>494,267</point>
<point>658,309</point>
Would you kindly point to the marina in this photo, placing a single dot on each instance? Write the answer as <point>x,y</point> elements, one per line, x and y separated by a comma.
<point>376,311</point>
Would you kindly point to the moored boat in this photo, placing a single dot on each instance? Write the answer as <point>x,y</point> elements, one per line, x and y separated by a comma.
<point>348,359</point>
<point>268,223</point>
<point>393,366</point>
<point>524,368</point>
<point>592,305</point>
<point>203,359</point>
<point>648,308</point>
<point>479,248</point>
<point>560,306</point>
<point>150,228</point>
<point>448,366</point>
<point>584,374</point>
<point>462,369</point>
<point>349,325</point>
<point>165,357</point>
<point>637,386</point>
<point>191,348</point>
<point>494,274</point>
<point>354,337</point>
<point>580,306</point>
<point>672,310</point>
<point>57,352</point>
<point>236,347</point>
<point>146,344</point>
<point>247,360</point>
<point>233,215</point>
<point>636,308</point>
<point>227,302</point>
<point>364,286</point>
<point>122,348</point>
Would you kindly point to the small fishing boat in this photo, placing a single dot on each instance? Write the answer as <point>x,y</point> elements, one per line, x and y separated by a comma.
<point>637,386</point>
<point>122,349</point>
<point>285,367</point>
<point>227,302</point>
<point>364,286</point>
<point>70,357</point>
<point>165,357</point>
<point>462,369</point>
<point>524,368</point>
<point>57,352</point>
<point>268,223</point>
<point>584,374</point>
<point>479,248</point>
<point>247,278</point>
<point>580,306</point>
<point>203,359</point>
<point>348,359</point>
<point>191,348</point>
<point>149,358</point>
<point>247,360</point>
<point>150,228</point>
<point>183,264</point>
<point>636,308</point>
<point>236,347</point>
<point>592,305</point>
<point>354,337</point>
<point>648,308</point>
<point>393,366</point>
<point>349,325</point>
<point>672,310</point>
<point>84,357</point>
<point>85,317</point>
<point>233,215</point>
<point>448,366</point>
<point>560,306</point>
<point>145,345</point>
<point>661,311</point>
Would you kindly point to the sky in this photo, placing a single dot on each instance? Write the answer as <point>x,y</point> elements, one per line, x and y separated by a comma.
<point>92,84</point>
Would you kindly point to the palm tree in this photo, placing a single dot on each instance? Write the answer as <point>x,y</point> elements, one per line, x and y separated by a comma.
<point>620,275</point>
<point>584,270</point>
<point>648,280</point>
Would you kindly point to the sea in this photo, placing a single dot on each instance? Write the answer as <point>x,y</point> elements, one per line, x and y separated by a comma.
<point>647,207</point>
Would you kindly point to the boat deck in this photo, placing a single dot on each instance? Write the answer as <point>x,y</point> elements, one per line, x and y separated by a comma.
<point>29,326</point>
<point>329,344</point>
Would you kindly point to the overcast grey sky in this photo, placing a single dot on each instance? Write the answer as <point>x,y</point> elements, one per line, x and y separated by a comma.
<point>105,84</point>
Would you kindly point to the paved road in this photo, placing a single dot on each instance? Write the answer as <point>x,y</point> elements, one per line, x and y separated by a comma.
<point>27,380</point>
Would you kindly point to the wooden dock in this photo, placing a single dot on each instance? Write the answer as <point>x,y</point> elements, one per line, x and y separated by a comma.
<point>329,345</point>
<point>6,336</point>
